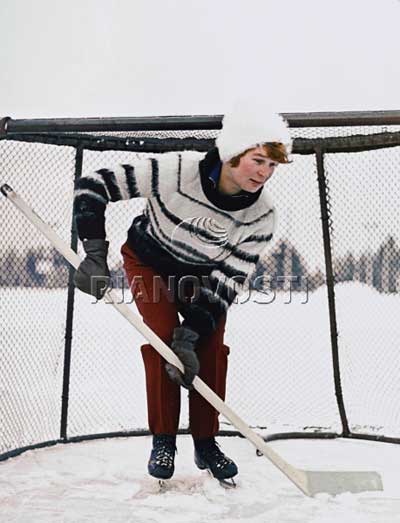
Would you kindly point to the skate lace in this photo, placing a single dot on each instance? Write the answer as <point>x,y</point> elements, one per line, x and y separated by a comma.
<point>214,454</point>
<point>164,453</point>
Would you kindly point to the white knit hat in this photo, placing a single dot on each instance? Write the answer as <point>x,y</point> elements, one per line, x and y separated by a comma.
<point>249,124</point>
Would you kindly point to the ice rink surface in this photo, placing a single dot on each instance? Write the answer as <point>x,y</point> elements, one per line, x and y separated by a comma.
<point>107,481</point>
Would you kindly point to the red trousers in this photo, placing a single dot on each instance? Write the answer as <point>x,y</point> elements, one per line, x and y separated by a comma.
<point>160,313</point>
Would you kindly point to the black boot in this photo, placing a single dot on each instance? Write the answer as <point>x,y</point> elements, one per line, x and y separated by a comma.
<point>161,462</point>
<point>207,455</point>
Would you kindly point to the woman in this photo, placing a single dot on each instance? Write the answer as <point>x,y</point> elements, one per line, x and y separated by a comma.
<point>206,223</point>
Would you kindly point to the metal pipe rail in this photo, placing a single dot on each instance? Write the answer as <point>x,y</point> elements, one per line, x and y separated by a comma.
<point>194,122</point>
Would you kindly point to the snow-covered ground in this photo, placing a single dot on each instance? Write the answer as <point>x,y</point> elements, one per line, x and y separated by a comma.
<point>105,481</point>
<point>280,377</point>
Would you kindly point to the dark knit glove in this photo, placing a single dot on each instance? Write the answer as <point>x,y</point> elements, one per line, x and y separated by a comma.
<point>93,275</point>
<point>184,344</point>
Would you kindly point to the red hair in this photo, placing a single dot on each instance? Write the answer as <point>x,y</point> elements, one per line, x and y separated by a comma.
<point>276,151</point>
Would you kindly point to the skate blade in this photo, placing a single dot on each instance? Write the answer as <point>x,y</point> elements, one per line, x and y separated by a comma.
<point>225,483</point>
<point>163,485</point>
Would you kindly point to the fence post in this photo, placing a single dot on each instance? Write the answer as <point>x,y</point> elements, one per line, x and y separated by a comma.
<point>330,282</point>
<point>70,312</point>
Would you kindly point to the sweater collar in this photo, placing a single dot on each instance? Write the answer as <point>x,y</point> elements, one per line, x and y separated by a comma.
<point>210,171</point>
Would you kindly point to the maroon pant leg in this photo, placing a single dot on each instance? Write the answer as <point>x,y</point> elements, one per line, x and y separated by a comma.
<point>213,357</point>
<point>163,396</point>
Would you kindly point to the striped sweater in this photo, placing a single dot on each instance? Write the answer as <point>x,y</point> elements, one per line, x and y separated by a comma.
<point>188,227</point>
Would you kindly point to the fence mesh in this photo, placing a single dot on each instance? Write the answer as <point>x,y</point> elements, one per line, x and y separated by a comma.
<point>33,293</point>
<point>281,370</point>
<point>364,189</point>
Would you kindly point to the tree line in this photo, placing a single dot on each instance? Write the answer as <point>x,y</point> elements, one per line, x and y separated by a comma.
<point>46,268</point>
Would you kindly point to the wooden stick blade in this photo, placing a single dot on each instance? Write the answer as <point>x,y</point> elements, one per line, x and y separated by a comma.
<point>336,482</point>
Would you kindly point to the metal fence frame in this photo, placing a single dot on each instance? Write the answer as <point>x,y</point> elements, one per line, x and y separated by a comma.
<point>66,132</point>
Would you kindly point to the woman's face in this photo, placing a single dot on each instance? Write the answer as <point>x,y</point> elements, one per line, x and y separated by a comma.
<point>253,171</point>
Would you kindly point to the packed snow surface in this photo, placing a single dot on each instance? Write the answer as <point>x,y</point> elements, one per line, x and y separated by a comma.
<point>106,481</point>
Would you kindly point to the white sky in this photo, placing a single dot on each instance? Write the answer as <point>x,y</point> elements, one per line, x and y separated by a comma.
<point>140,57</point>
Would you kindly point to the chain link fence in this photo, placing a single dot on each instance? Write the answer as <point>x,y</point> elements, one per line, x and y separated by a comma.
<point>313,349</point>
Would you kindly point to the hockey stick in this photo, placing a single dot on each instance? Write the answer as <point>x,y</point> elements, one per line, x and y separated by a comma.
<point>310,482</point>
